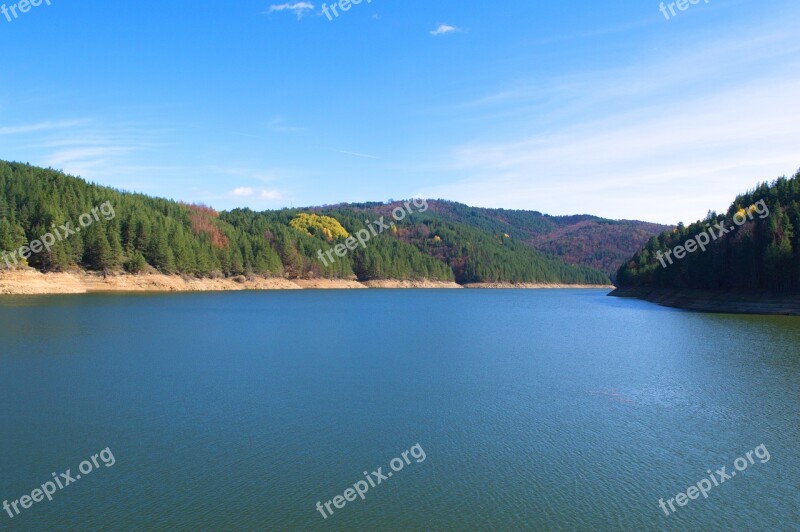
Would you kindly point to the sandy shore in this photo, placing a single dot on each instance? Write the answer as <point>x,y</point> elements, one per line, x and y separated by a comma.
<point>31,282</point>
<point>411,284</point>
<point>327,284</point>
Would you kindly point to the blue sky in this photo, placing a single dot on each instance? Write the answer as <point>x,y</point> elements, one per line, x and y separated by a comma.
<point>565,107</point>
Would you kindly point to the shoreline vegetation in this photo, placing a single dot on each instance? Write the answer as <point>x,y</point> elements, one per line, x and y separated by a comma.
<point>51,222</point>
<point>753,247</point>
<point>33,282</point>
<point>717,302</point>
<point>743,261</point>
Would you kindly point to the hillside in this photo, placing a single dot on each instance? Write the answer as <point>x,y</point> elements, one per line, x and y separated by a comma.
<point>136,233</point>
<point>585,240</point>
<point>753,247</point>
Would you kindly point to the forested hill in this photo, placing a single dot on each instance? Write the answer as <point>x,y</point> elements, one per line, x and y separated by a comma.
<point>147,234</point>
<point>587,240</point>
<point>753,246</point>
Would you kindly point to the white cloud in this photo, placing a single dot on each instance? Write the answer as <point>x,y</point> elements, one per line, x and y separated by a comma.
<point>443,29</point>
<point>270,195</point>
<point>243,192</point>
<point>248,192</point>
<point>298,8</point>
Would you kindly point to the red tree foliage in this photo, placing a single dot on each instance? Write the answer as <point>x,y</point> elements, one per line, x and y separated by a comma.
<point>202,218</point>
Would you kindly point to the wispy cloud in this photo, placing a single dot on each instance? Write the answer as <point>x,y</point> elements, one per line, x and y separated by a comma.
<point>661,142</point>
<point>89,148</point>
<point>40,127</point>
<point>83,160</point>
<point>298,8</point>
<point>248,192</point>
<point>279,125</point>
<point>355,154</point>
<point>246,172</point>
<point>444,29</point>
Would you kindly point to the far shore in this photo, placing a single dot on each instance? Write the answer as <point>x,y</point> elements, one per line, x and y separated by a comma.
<point>720,302</point>
<point>536,286</point>
<point>32,282</point>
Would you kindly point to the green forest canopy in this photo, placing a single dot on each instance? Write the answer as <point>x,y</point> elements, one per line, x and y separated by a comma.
<point>762,254</point>
<point>195,240</point>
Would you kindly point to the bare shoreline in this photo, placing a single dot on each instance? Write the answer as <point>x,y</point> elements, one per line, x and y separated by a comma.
<point>32,282</point>
<point>536,286</point>
<point>717,302</point>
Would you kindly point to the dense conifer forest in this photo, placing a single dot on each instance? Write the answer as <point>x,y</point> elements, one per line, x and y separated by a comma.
<point>762,253</point>
<point>447,241</point>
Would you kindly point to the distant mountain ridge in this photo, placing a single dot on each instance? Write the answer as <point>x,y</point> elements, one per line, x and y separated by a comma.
<point>446,241</point>
<point>587,240</point>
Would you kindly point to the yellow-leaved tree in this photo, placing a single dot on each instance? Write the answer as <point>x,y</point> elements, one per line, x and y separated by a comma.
<point>321,226</point>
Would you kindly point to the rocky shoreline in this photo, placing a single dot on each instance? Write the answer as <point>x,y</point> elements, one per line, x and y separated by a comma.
<point>733,302</point>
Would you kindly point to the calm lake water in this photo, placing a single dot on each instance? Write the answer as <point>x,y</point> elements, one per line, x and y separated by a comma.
<point>536,410</point>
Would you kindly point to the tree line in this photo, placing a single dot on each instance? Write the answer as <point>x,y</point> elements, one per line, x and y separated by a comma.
<point>761,254</point>
<point>153,234</point>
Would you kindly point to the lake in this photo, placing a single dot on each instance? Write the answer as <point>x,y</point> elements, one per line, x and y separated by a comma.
<point>535,410</point>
